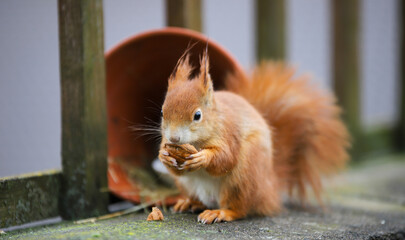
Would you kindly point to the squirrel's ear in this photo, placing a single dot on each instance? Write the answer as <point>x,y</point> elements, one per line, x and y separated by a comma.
<point>205,77</point>
<point>181,71</point>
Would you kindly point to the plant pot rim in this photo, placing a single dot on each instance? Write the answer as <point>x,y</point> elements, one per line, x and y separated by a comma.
<point>175,31</point>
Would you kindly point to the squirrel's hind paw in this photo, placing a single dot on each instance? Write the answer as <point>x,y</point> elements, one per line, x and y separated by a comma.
<point>184,205</point>
<point>216,216</point>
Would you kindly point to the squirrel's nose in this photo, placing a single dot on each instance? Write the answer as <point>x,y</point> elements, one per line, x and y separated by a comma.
<point>174,139</point>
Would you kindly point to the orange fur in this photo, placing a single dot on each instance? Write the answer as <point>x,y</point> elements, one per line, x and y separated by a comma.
<point>245,159</point>
<point>308,135</point>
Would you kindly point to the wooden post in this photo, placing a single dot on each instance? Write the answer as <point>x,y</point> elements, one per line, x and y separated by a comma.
<point>400,138</point>
<point>84,140</point>
<point>346,73</point>
<point>270,29</point>
<point>184,13</point>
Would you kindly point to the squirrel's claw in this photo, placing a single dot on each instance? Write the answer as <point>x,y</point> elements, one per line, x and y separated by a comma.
<point>167,160</point>
<point>164,152</point>
<point>182,205</point>
<point>195,155</point>
<point>210,216</point>
<point>217,216</point>
<point>197,161</point>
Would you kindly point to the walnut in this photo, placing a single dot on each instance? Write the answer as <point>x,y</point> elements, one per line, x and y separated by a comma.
<point>180,152</point>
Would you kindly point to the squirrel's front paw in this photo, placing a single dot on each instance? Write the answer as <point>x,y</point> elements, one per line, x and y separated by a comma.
<point>196,161</point>
<point>167,160</point>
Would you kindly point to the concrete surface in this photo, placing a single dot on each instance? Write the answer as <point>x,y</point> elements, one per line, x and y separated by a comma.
<point>366,202</point>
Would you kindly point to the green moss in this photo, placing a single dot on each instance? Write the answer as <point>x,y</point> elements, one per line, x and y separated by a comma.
<point>27,198</point>
<point>128,227</point>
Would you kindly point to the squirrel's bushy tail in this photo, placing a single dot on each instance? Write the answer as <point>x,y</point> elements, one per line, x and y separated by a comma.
<point>309,138</point>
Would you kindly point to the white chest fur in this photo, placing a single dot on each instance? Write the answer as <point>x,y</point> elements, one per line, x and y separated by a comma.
<point>203,186</point>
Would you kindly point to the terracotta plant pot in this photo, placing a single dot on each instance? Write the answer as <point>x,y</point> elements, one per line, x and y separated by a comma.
<point>137,72</point>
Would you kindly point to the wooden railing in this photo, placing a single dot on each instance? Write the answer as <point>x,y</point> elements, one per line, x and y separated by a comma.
<point>80,189</point>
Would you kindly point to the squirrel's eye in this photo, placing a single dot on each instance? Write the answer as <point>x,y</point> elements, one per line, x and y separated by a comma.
<point>161,113</point>
<point>197,116</point>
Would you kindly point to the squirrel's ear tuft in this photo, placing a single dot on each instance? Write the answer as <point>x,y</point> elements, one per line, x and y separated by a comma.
<point>205,77</point>
<point>181,71</point>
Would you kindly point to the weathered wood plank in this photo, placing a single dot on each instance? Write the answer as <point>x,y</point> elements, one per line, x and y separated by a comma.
<point>84,137</point>
<point>28,198</point>
<point>184,13</point>
<point>346,73</point>
<point>270,29</point>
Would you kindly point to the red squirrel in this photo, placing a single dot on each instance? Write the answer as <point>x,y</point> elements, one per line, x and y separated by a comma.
<point>262,136</point>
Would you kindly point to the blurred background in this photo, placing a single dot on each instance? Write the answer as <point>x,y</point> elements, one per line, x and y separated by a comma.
<point>311,38</point>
